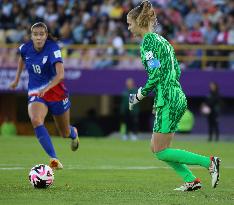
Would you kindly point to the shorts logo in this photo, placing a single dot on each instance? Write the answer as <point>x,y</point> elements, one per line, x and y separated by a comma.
<point>32,98</point>
<point>65,101</point>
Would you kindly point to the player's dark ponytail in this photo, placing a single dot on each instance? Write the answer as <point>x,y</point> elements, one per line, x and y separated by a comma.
<point>51,37</point>
<point>43,25</point>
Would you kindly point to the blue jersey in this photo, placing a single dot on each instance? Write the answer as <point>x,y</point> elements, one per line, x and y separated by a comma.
<point>41,69</point>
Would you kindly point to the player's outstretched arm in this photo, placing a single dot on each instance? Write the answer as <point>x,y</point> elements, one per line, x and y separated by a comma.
<point>20,68</point>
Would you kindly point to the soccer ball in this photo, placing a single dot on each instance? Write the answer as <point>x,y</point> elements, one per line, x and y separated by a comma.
<point>41,176</point>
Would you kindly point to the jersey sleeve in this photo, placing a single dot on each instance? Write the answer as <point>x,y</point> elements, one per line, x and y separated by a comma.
<point>152,63</point>
<point>55,54</point>
<point>22,51</point>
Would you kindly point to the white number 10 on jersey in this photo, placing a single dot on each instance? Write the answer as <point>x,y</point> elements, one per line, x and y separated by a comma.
<point>36,69</point>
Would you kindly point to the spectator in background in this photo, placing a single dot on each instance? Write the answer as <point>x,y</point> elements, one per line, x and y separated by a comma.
<point>229,8</point>
<point>222,35</point>
<point>15,35</point>
<point>215,14</point>
<point>162,3</point>
<point>116,11</point>
<point>222,38</point>
<point>193,18</point>
<point>174,15</point>
<point>117,45</point>
<point>51,14</point>
<point>104,55</point>
<point>129,124</point>
<point>195,36</point>
<point>78,30</point>
<point>209,34</point>
<point>181,35</point>
<point>33,18</point>
<point>211,108</point>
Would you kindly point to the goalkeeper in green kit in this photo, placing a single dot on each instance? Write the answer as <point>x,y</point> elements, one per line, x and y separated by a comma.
<point>170,103</point>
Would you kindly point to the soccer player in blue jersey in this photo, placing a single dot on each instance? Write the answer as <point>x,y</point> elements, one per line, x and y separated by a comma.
<point>42,59</point>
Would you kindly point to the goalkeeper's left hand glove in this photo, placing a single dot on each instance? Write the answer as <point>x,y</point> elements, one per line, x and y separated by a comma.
<point>135,98</point>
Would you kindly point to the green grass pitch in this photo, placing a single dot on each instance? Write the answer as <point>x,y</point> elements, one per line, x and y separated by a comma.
<point>109,171</point>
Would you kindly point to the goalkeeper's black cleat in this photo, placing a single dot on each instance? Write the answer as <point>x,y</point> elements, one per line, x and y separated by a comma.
<point>190,186</point>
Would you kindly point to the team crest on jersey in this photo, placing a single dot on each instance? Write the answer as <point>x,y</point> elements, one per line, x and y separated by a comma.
<point>44,59</point>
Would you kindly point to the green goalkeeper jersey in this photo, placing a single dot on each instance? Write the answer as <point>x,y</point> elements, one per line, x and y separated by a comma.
<point>161,65</point>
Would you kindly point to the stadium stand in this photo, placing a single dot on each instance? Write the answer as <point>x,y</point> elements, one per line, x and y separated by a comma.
<point>93,36</point>
<point>102,24</point>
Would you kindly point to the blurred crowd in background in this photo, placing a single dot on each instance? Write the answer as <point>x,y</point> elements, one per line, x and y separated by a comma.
<point>103,22</point>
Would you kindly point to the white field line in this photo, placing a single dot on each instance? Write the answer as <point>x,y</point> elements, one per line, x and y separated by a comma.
<point>71,167</point>
<point>10,165</point>
<point>11,168</point>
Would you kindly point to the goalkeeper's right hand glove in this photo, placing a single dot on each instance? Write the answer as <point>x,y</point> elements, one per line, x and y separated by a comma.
<point>135,98</point>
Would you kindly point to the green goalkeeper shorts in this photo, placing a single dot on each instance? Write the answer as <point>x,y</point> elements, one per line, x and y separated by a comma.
<point>168,116</point>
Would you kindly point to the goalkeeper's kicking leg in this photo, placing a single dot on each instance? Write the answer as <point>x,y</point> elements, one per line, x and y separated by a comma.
<point>178,159</point>
<point>165,124</point>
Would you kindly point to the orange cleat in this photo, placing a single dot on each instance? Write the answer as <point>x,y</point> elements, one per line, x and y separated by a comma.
<point>55,164</point>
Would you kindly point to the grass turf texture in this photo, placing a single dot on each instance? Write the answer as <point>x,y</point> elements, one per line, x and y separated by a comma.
<point>109,171</point>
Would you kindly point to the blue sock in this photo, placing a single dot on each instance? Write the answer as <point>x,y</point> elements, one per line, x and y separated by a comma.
<point>72,133</point>
<point>44,138</point>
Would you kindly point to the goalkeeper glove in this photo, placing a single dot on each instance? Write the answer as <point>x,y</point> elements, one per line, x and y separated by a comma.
<point>135,98</point>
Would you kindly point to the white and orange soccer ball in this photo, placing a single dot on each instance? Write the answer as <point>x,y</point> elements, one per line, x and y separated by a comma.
<point>41,176</point>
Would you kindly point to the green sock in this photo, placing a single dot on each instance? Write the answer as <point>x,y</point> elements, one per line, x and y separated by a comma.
<point>183,157</point>
<point>183,171</point>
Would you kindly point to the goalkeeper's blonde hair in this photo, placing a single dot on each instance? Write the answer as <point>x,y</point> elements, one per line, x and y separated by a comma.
<point>144,15</point>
